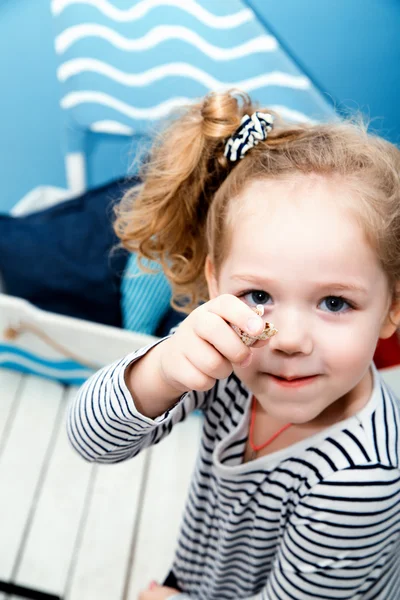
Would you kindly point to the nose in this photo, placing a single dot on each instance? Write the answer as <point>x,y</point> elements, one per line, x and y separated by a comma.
<point>294,334</point>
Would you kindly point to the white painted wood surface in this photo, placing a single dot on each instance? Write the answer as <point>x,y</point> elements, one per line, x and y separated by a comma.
<point>9,383</point>
<point>171,465</point>
<point>56,522</point>
<point>75,529</point>
<point>22,464</point>
<point>101,561</point>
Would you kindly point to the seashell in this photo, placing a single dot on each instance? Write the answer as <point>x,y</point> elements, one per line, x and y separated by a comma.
<point>268,332</point>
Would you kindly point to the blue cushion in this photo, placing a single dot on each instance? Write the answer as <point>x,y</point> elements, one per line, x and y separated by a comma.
<point>145,297</point>
<point>59,258</point>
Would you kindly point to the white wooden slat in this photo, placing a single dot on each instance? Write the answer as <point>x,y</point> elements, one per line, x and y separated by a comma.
<point>51,541</point>
<point>171,466</point>
<point>102,560</point>
<point>9,384</point>
<point>22,461</point>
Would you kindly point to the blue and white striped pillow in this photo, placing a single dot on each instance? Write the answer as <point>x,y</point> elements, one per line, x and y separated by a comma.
<point>145,297</point>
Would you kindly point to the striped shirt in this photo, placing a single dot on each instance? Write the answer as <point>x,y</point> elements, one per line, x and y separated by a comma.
<point>319,519</point>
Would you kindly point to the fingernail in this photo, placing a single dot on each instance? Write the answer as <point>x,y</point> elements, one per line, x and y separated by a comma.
<point>246,361</point>
<point>254,324</point>
<point>153,584</point>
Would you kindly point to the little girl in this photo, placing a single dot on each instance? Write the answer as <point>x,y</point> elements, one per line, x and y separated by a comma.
<point>296,490</point>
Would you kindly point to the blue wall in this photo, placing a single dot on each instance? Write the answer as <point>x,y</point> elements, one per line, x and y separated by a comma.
<point>351,49</point>
<point>31,120</point>
<point>30,116</point>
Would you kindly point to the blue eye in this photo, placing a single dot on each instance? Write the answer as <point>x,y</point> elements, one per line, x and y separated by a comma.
<point>256,297</point>
<point>336,304</point>
<point>333,304</point>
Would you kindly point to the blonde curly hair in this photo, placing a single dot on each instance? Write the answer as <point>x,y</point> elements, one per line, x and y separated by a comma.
<point>179,214</point>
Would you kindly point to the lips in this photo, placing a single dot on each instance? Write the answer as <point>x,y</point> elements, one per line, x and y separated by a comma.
<point>291,377</point>
<point>293,382</point>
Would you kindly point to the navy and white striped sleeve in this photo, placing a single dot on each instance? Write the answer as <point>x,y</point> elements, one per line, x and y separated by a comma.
<point>103,423</point>
<point>338,537</point>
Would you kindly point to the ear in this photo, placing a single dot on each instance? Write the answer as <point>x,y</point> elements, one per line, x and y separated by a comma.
<point>211,279</point>
<point>392,320</point>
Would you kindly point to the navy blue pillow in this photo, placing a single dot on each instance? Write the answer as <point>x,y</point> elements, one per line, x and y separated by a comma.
<point>59,258</point>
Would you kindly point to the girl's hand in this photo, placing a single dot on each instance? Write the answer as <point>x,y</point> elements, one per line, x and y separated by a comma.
<point>205,348</point>
<point>157,592</point>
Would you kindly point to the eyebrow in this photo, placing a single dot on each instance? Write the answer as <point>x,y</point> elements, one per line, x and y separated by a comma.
<point>345,287</point>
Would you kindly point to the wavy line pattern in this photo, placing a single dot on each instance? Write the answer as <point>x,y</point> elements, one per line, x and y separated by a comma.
<point>105,96</point>
<point>159,34</point>
<point>155,112</point>
<point>111,127</point>
<point>140,9</point>
<point>80,65</point>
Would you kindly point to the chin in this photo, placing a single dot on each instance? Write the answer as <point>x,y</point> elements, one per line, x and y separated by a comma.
<point>291,412</point>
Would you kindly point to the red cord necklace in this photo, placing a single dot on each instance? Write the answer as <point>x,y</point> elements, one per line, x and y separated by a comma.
<point>254,447</point>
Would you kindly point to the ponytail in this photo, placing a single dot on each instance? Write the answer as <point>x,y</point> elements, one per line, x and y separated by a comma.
<point>164,218</point>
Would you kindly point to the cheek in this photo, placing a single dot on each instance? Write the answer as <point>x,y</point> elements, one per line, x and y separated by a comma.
<point>350,350</point>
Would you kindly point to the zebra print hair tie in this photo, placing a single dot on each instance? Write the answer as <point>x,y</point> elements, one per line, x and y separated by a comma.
<point>251,130</point>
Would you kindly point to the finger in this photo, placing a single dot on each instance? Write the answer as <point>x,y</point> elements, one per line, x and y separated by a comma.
<point>152,585</point>
<point>209,360</point>
<point>216,331</point>
<point>190,377</point>
<point>260,343</point>
<point>237,312</point>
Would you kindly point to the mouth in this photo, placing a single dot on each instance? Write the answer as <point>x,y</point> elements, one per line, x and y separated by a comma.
<point>292,377</point>
<point>293,380</point>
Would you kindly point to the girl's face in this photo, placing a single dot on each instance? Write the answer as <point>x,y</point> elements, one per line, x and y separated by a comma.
<point>297,250</point>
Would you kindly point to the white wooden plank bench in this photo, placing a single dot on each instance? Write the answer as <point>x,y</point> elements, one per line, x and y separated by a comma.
<point>75,530</point>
